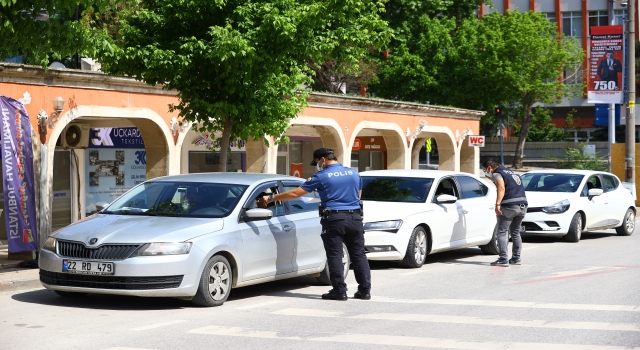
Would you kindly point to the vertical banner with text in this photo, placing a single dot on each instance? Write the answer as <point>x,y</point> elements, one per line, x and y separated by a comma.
<point>17,177</point>
<point>605,65</point>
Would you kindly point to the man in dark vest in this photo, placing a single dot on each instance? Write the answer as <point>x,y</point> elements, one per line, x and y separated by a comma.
<point>511,207</point>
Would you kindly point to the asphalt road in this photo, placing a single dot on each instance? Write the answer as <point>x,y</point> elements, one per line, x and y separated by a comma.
<point>563,296</point>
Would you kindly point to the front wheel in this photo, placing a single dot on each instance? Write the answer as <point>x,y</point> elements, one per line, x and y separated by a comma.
<point>575,229</point>
<point>628,224</point>
<point>325,277</point>
<point>215,283</point>
<point>417,249</point>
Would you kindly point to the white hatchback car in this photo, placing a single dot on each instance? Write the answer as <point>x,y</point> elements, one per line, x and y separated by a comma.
<point>565,203</point>
<point>411,213</point>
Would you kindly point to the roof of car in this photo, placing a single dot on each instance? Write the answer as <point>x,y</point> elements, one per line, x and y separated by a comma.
<point>233,178</point>
<point>411,173</point>
<point>567,171</point>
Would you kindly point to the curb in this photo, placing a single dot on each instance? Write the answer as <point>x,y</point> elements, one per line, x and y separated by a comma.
<point>12,286</point>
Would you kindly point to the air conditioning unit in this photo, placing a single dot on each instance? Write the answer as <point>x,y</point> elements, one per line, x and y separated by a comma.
<point>75,136</point>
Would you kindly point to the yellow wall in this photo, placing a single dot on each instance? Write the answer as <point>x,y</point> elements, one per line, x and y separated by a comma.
<point>618,165</point>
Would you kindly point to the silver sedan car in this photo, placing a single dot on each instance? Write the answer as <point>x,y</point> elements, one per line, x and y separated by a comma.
<point>191,236</point>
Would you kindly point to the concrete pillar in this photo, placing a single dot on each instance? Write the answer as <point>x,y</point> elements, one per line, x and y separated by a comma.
<point>256,153</point>
<point>469,158</point>
<point>415,152</point>
<point>396,149</point>
<point>331,139</point>
<point>155,145</point>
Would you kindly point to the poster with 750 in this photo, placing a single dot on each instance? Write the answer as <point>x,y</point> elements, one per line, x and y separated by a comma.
<point>605,85</point>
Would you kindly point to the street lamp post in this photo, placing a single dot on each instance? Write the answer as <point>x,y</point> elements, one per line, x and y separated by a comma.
<point>630,146</point>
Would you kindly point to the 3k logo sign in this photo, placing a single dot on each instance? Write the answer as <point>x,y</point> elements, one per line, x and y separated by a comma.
<point>142,157</point>
<point>103,137</point>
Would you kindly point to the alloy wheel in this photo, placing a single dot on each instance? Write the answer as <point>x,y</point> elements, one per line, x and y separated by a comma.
<point>420,247</point>
<point>219,281</point>
<point>630,221</point>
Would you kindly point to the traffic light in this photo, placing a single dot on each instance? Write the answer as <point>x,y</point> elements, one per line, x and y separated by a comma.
<point>498,112</point>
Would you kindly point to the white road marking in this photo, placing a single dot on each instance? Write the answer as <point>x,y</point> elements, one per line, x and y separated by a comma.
<point>466,320</point>
<point>392,340</point>
<point>253,306</point>
<point>158,325</point>
<point>413,272</point>
<point>308,312</point>
<point>531,247</point>
<point>120,348</point>
<point>505,303</point>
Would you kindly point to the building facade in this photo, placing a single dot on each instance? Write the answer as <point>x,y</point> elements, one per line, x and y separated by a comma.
<point>113,133</point>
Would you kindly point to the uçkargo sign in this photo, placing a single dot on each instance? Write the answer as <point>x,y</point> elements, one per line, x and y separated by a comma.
<point>605,65</point>
<point>476,141</point>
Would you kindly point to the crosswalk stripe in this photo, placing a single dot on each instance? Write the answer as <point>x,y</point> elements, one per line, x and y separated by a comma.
<point>253,306</point>
<point>395,340</point>
<point>506,303</point>
<point>603,326</point>
<point>158,325</point>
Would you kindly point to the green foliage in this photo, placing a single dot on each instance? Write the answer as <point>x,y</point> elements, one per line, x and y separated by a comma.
<point>541,128</point>
<point>239,66</point>
<point>22,32</point>
<point>577,158</point>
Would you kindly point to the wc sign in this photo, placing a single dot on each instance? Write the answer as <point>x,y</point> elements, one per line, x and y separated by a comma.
<point>476,141</point>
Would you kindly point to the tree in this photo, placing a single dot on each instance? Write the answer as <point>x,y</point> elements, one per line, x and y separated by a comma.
<point>578,158</point>
<point>239,66</point>
<point>541,128</point>
<point>37,28</point>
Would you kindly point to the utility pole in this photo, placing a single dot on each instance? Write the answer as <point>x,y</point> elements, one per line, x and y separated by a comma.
<point>630,147</point>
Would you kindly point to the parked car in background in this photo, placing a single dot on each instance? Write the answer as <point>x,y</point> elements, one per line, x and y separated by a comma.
<point>566,203</point>
<point>189,236</point>
<point>409,214</point>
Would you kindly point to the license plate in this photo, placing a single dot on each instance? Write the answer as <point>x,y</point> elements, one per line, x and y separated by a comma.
<point>88,267</point>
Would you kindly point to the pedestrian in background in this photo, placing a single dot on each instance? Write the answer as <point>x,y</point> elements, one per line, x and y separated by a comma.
<point>511,207</point>
<point>340,189</point>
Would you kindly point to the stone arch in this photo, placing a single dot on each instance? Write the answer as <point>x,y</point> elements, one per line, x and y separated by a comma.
<point>329,131</point>
<point>397,155</point>
<point>447,148</point>
<point>469,157</point>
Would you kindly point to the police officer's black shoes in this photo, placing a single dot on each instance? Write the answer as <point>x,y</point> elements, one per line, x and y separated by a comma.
<point>363,296</point>
<point>333,295</point>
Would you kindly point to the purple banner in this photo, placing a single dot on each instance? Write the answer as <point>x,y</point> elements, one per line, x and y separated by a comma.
<point>17,177</point>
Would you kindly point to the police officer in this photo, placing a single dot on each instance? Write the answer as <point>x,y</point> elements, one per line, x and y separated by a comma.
<point>511,207</point>
<point>339,189</point>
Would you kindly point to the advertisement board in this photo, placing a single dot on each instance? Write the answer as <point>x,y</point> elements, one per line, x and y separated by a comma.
<point>606,64</point>
<point>115,162</point>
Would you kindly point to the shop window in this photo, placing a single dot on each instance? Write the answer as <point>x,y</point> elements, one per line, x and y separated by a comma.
<point>619,17</point>
<point>572,24</point>
<point>207,162</point>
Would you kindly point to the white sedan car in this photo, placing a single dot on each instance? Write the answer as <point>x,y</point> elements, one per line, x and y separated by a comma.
<point>565,203</point>
<point>191,236</point>
<point>411,213</point>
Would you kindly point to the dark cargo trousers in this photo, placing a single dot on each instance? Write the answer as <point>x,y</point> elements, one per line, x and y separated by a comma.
<point>346,227</point>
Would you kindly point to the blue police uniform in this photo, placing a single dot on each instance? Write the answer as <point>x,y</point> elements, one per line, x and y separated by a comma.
<point>338,187</point>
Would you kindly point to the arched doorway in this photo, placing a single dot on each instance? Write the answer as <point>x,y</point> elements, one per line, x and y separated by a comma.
<point>378,146</point>
<point>445,141</point>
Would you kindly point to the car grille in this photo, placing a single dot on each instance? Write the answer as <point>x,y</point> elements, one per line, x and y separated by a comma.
<point>531,226</point>
<point>109,282</point>
<point>534,210</point>
<point>104,252</point>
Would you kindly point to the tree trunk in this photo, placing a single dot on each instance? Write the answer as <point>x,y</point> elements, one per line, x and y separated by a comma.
<point>524,131</point>
<point>224,145</point>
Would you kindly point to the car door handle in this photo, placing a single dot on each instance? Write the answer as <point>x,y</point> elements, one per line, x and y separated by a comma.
<point>287,228</point>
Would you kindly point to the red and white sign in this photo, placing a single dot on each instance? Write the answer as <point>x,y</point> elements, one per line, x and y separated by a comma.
<point>356,144</point>
<point>476,141</point>
<point>296,169</point>
<point>606,63</point>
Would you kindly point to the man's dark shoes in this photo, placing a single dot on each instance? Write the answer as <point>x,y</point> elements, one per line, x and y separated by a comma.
<point>501,262</point>
<point>363,296</point>
<point>333,295</point>
<point>515,261</point>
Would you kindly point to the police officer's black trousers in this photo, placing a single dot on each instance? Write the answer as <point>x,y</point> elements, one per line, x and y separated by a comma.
<point>347,228</point>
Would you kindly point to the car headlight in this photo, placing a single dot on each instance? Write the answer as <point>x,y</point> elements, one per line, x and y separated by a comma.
<point>50,244</point>
<point>559,207</point>
<point>151,249</point>
<point>393,226</point>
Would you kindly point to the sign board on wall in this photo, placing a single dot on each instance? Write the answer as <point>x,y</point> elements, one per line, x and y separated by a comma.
<point>372,143</point>
<point>605,64</point>
<point>115,162</point>
<point>476,141</point>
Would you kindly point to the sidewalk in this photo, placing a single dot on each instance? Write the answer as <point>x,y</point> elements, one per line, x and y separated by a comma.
<point>13,278</point>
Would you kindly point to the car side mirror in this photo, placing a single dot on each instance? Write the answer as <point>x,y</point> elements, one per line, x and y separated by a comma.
<point>595,192</point>
<point>446,199</point>
<point>257,214</point>
<point>101,205</point>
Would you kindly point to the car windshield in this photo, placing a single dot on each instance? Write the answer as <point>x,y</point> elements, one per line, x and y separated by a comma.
<point>395,189</point>
<point>541,182</point>
<point>179,199</point>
